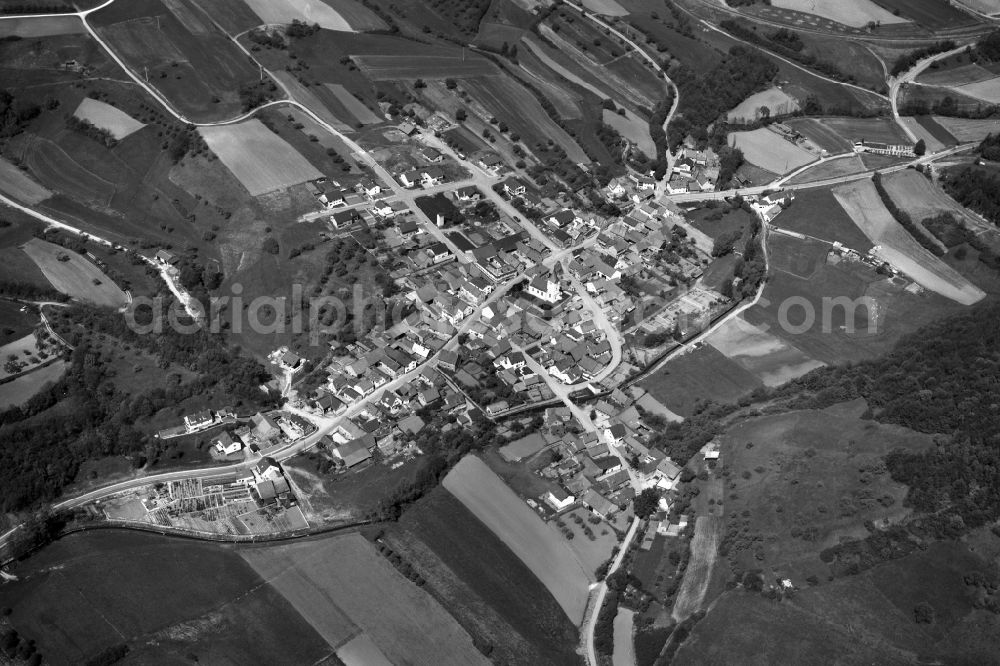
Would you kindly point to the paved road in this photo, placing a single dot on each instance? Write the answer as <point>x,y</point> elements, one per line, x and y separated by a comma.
<point>777,184</point>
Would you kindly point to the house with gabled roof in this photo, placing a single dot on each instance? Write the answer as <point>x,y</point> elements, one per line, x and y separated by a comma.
<point>356,451</point>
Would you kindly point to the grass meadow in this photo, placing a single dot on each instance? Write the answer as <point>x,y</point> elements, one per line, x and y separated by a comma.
<point>166,599</point>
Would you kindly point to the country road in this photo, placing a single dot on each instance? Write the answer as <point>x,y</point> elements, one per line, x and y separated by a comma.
<point>652,61</point>
<point>897,82</point>
<point>602,591</point>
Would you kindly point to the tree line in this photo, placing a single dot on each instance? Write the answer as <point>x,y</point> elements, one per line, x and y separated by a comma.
<point>904,218</point>
<point>704,98</point>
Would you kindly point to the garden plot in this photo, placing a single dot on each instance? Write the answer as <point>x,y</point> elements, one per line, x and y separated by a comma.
<point>17,184</point>
<point>766,356</point>
<point>895,245</point>
<point>854,13</point>
<point>538,545</point>
<point>107,117</point>
<point>259,159</point>
<point>766,149</point>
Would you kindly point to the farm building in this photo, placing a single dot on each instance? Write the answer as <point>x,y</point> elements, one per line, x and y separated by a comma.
<point>894,150</point>
<point>559,499</point>
<point>598,504</point>
<point>165,257</point>
<point>356,451</point>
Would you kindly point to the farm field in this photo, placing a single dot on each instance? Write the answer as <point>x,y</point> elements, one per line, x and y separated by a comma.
<point>564,98</point>
<point>700,375</point>
<point>899,248</point>
<point>858,330</point>
<point>988,90</point>
<point>882,130</point>
<point>923,127</point>
<point>819,133</point>
<point>307,98</point>
<point>777,101</point>
<point>343,587</point>
<point>966,129</point>
<point>634,84</point>
<point>260,160</point>
<point>199,71</point>
<point>865,67</point>
<point>20,390</point>
<point>42,26</point>
<point>605,7</point>
<point>340,15</point>
<point>769,151</point>
<point>931,14</point>
<point>770,359</point>
<point>922,99</point>
<point>18,185</point>
<point>538,545</point>
<point>633,128</point>
<point>60,172</point>
<point>107,117</point>
<point>354,106</point>
<point>954,76</point>
<point>853,13</point>
<point>921,198</point>
<point>235,16</point>
<point>491,592</point>
<point>516,106</point>
<point>362,651</point>
<point>552,59</point>
<point>842,166</point>
<point>209,604</point>
<point>984,6</point>
<point>76,276</point>
<point>395,67</point>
